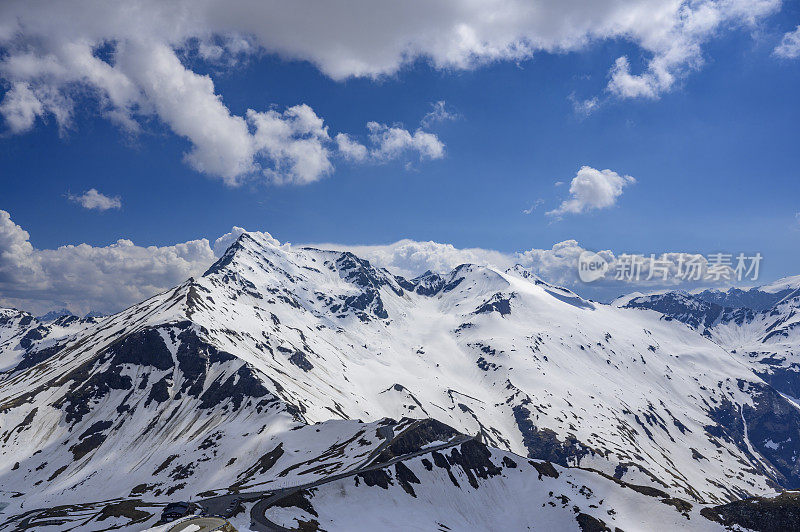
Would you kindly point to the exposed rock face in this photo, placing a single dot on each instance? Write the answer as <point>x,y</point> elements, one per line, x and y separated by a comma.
<point>416,437</point>
<point>762,514</point>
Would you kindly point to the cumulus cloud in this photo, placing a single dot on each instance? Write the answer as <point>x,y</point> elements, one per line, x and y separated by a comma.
<point>592,189</point>
<point>92,199</point>
<point>137,60</point>
<point>222,243</point>
<point>789,47</point>
<point>392,141</point>
<point>295,140</point>
<point>103,278</point>
<point>676,45</point>
<point>351,149</point>
<point>388,143</point>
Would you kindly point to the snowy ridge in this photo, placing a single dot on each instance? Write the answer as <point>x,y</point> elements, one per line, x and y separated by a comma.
<point>786,283</point>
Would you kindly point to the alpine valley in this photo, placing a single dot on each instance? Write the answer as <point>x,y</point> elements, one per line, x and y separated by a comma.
<point>303,389</point>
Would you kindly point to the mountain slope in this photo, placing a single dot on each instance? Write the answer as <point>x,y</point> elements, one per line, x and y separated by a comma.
<point>219,383</point>
<point>766,340</point>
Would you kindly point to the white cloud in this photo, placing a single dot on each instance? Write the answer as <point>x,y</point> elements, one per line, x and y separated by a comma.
<point>674,32</point>
<point>593,189</point>
<point>387,143</point>
<point>390,142</point>
<point>143,76</point>
<point>295,140</point>
<point>438,113</point>
<point>789,48</point>
<point>221,143</point>
<point>222,243</point>
<point>92,199</point>
<point>349,148</point>
<point>105,278</point>
<point>628,85</point>
<point>535,205</point>
<point>128,56</point>
<point>584,108</point>
<point>20,108</point>
<point>15,252</point>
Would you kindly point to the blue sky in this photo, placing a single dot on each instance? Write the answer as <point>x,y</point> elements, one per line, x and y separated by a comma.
<point>715,156</point>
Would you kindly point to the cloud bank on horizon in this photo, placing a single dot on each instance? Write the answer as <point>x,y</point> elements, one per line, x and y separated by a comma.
<point>137,60</point>
<point>109,278</point>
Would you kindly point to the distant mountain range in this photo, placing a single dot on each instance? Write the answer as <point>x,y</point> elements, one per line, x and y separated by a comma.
<point>280,365</point>
<point>759,326</point>
<point>60,313</point>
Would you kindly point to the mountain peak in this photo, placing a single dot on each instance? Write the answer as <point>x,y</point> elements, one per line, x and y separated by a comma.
<point>247,242</point>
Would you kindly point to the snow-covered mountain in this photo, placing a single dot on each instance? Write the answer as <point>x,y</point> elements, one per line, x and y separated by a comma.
<point>281,363</point>
<point>25,340</point>
<point>766,339</point>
